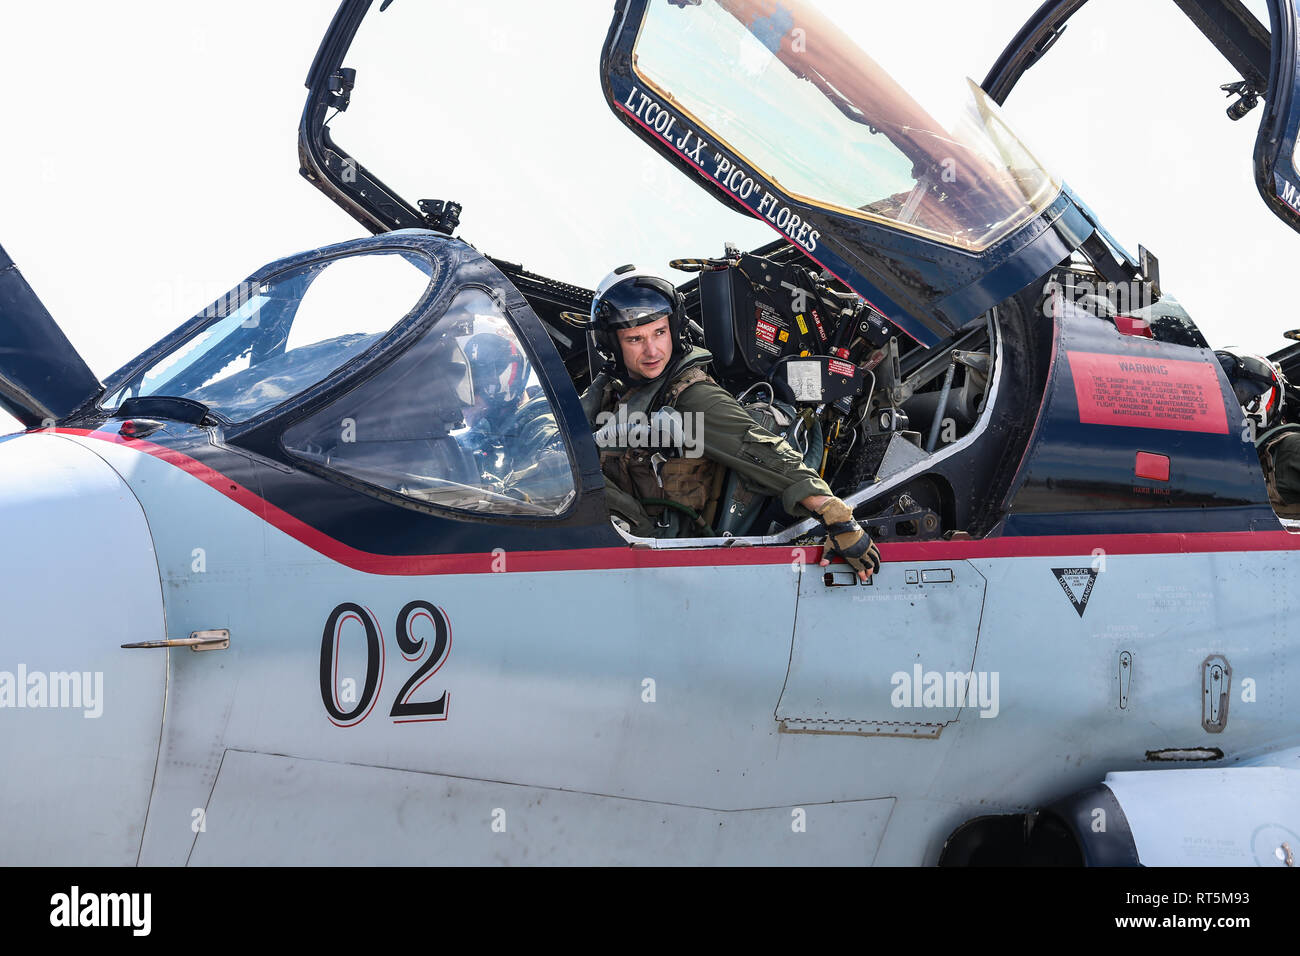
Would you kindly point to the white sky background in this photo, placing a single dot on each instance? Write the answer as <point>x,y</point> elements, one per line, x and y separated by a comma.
<point>148,149</point>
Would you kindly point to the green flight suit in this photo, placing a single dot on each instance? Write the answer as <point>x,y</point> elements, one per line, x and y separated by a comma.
<point>765,462</point>
<point>1279,453</point>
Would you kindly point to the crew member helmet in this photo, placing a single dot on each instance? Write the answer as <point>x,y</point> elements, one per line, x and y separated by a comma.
<point>498,368</point>
<point>1259,385</point>
<point>630,297</point>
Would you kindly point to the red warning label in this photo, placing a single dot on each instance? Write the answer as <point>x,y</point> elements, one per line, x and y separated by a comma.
<point>1147,393</point>
<point>765,336</point>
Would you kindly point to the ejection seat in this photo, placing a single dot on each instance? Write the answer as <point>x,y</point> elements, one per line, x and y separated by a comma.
<point>729,335</point>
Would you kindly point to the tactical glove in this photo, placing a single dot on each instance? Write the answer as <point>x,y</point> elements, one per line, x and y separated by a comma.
<point>846,538</point>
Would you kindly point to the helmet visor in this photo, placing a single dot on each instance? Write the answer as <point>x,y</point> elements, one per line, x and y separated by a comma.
<point>631,304</point>
<point>498,367</point>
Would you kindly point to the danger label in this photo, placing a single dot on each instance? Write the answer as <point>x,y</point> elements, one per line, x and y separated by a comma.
<point>1077,584</point>
<point>1147,393</point>
<point>765,331</point>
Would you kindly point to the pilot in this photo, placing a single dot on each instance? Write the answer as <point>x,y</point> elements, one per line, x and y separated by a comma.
<point>1267,402</point>
<point>638,320</point>
<point>499,372</point>
<point>514,440</point>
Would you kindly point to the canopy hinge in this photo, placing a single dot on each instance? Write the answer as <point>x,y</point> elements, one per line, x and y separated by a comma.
<point>340,87</point>
<point>442,215</point>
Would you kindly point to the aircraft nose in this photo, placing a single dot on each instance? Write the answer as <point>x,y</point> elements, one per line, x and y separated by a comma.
<point>80,717</point>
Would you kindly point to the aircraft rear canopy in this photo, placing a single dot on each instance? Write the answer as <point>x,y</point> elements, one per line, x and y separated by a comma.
<point>778,113</point>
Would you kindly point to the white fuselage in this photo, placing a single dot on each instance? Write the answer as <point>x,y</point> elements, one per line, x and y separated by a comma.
<point>697,706</point>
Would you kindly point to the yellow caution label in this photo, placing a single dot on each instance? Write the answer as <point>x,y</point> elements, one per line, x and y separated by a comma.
<point>803,326</point>
<point>784,335</point>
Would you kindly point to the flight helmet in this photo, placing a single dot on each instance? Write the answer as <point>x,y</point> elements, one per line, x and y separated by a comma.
<point>1259,385</point>
<point>628,298</point>
<point>498,369</point>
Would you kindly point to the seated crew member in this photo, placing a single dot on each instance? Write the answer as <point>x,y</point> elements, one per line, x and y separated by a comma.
<point>514,440</point>
<point>639,323</point>
<point>1267,400</point>
<point>498,371</point>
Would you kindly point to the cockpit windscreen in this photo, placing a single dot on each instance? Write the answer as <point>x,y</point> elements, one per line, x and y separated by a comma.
<point>784,88</point>
<point>269,341</point>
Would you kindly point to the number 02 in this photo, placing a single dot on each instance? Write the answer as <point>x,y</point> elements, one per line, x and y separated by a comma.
<point>413,649</point>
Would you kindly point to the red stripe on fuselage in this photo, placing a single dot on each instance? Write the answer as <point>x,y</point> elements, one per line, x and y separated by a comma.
<point>623,558</point>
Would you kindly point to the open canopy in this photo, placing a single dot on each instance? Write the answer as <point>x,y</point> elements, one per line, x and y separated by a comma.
<point>1264,57</point>
<point>931,214</point>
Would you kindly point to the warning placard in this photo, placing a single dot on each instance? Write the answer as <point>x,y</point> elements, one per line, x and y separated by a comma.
<point>1077,584</point>
<point>1147,392</point>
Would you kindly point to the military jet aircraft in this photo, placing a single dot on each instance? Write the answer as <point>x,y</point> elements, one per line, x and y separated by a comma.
<point>274,596</point>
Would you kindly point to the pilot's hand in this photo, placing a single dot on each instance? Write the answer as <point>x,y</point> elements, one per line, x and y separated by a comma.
<point>845,537</point>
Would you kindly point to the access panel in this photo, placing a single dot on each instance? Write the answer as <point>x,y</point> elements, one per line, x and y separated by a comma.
<point>888,658</point>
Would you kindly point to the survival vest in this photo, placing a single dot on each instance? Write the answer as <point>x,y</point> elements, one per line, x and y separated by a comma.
<point>661,479</point>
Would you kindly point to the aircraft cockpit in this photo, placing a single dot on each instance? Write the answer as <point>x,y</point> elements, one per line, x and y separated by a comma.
<point>867,408</point>
<point>917,332</point>
<point>416,429</point>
